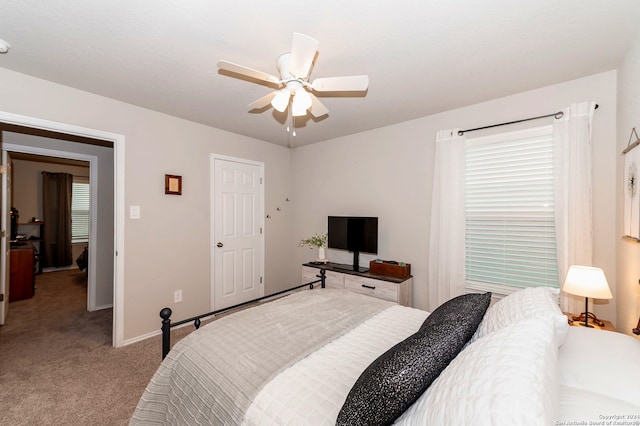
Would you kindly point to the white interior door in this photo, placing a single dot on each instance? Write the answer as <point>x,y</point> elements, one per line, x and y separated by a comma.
<point>237,239</point>
<point>5,233</point>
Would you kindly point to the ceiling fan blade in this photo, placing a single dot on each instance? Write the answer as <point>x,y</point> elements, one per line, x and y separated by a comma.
<point>262,102</point>
<point>249,72</point>
<point>303,51</point>
<point>317,109</point>
<point>354,83</point>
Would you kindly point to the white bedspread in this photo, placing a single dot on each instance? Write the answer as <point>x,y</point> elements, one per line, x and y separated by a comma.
<point>599,377</point>
<point>307,380</point>
<point>212,375</point>
<point>312,391</point>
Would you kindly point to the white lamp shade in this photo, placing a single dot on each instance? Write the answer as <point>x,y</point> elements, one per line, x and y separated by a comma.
<point>302,98</point>
<point>301,102</point>
<point>281,100</point>
<point>587,281</point>
<point>297,110</point>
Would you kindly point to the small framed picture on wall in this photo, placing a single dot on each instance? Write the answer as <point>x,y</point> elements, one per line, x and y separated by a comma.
<point>173,184</point>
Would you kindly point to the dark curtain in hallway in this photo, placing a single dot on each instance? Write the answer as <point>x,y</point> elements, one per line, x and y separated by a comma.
<point>56,204</point>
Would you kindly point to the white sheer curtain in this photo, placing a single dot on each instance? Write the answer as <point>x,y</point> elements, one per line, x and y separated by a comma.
<point>573,206</point>
<point>446,235</point>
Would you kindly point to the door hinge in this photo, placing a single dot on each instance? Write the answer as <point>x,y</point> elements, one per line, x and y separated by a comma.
<point>3,233</point>
<point>260,230</point>
<point>1,297</point>
<point>260,281</point>
<point>260,181</point>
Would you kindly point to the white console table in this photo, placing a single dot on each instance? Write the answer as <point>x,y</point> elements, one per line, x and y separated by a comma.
<point>394,289</point>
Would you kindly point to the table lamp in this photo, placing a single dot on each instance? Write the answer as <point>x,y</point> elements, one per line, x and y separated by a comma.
<point>589,282</point>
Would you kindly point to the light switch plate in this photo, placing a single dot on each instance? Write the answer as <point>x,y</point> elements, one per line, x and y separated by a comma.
<point>134,212</point>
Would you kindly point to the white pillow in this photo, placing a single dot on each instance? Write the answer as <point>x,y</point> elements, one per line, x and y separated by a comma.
<point>603,362</point>
<point>532,302</point>
<point>506,378</point>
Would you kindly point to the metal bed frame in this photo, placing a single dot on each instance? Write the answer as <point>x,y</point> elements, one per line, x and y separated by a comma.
<point>165,313</point>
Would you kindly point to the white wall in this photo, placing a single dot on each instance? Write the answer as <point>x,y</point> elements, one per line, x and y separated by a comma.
<point>628,254</point>
<point>387,173</point>
<point>168,248</point>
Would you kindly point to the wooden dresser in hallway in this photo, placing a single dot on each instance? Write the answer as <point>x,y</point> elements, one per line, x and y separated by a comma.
<point>21,271</point>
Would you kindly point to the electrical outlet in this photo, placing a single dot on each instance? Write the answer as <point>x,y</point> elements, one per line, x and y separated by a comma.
<point>177,296</point>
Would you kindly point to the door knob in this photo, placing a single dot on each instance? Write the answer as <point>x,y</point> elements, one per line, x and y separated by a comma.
<point>219,244</point>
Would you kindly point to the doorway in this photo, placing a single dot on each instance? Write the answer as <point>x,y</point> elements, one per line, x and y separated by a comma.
<point>237,214</point>
<point>28,165</point>
<point>73,134</point>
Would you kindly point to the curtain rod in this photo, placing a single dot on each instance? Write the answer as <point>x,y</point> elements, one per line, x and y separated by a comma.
<point>556,115</point>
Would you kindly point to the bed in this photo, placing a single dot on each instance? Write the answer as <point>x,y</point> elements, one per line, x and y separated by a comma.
<point>328,356</point>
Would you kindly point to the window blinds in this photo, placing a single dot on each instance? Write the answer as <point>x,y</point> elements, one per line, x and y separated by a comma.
<point>80,211</point>
<point>510,239</point>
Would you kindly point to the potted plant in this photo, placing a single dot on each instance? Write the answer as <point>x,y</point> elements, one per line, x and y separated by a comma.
<point>319,241</point>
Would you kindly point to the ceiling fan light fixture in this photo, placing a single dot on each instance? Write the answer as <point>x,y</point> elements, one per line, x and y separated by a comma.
<point>302,98</point>
<point>294,70</point>
<point>298,109</point>
<point>281,100</point>
<point>301,102</point>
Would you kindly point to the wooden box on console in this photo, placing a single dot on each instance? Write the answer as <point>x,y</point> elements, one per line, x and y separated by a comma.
<point>392,269</point>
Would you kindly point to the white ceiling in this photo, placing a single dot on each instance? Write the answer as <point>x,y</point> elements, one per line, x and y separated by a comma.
<point>422,56</point>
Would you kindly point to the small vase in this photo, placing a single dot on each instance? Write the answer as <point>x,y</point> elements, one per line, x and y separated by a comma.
<point>321,254</point>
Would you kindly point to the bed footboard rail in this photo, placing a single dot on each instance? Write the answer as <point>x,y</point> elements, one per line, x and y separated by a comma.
<point>165,313</point>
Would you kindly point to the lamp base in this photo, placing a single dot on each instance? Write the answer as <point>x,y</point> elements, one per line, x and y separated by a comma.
<point>591,317</point>
<point>588,325</point>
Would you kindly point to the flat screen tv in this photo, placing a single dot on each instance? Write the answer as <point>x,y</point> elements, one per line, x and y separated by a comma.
<point>353,233</point>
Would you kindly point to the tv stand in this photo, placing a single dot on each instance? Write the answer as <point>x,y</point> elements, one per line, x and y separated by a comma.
<point>355,266</point>
<point>387,287</point>
<point>345,267</point>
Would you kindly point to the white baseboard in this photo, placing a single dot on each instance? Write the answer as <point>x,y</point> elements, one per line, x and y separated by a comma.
<point>155,333</point>
<point>59,268</point>
<point>140,338</point>
<point>103,307</point>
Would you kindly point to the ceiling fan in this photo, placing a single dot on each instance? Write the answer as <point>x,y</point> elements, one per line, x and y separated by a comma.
<point>294,88</point>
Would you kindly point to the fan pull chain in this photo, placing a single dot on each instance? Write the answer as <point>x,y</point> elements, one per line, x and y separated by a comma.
<point>291,120</point>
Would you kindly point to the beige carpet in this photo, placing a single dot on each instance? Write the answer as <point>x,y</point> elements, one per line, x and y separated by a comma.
<point>57,365</point>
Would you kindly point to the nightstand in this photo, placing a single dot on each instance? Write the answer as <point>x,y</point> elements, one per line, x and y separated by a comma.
<point>607,324</point>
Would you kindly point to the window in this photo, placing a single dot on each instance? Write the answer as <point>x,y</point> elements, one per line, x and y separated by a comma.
<point>510,238</point>
<point>80,202</point>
